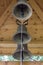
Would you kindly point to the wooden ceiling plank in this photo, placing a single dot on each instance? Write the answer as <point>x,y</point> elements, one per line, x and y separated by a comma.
<point>36,8</point>
<point>40,3</point>
<point>3,62</point>
<point>10,51</point>
<point>32,63</point>
<point>6,13</point>
<point>37,51</point>
<point>32,44</point>
<point>3,6</point>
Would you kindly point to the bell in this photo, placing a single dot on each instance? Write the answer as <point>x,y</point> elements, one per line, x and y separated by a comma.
<point>22,10</point>
<point>22,53</point>
<point>21,35</point>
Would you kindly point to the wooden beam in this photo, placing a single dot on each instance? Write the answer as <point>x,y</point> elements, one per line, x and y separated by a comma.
<point>11,50</point>
<point>34,20</point>
<point>32,63</point>
<point>40,3</point>
<point>36,51</point>
<point>18,63</point>
<point>9,63</point>
<point>36,8</point>
<point>6,14</point>
<point>11,44</point>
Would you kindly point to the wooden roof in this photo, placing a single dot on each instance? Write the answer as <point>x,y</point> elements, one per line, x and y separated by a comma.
<point>8,27</point>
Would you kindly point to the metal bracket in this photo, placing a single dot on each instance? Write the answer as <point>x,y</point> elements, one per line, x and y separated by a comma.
<point>19,23</point>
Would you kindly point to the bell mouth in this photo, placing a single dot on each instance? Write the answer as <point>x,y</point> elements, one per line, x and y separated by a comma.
<point>22,38</point>
<point>20,54</point>
<point>22,11</point>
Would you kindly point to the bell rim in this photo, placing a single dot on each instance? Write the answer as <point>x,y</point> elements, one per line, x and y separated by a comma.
<point>25,18</point>
<point>26,42</point>
<point>25,51</point>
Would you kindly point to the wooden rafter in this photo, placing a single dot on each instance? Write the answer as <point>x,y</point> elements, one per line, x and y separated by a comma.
<point>36,8</point>
<point>6,14</point>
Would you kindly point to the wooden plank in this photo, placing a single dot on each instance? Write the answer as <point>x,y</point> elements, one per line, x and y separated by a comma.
<point>10,51</point>
<point>32,44</point>
<point>40,3</point>
<point>13,63</point>
<point>6,14</point>
<point>9,63</point>
<point>8,48</point>
<point>34,20</point>
<point>3,6</point>
<point>7,51</point>
<point>18,63</point>
<point>36,51</point>
<point>32,63</point>
<point>36,8</point>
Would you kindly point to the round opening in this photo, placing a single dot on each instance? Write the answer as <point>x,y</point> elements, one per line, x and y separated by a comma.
<point>21,10</point>
<point>25,38</point>
<point>20,54</point>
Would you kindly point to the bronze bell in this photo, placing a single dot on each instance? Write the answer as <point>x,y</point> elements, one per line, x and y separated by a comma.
<point>22,10</point>
<point>21,35</point>
<point>22,53</point>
